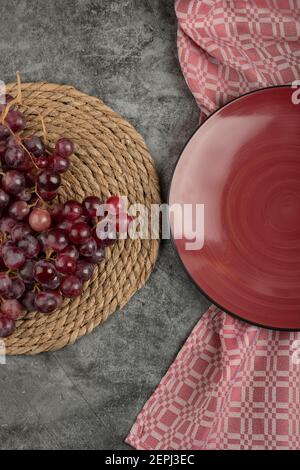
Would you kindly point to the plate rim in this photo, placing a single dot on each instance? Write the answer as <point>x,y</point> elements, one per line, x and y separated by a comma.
<point>232,314</point>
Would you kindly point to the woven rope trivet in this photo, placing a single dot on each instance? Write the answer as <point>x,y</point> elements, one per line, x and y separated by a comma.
<point>110,158</point>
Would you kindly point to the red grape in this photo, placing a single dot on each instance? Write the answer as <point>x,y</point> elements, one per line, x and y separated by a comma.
<point>54,283</point>
<point>79,233</point>
<point>90,206</point>
<point>65,264</point>
<point>18,210</point>
<point>84,270</point>
<point>11,309</point>
<point>48,180</point>
<point>7,326</point>
<point>4,132</point>
<point>5,283</point>
<point>116,204</point>
<point>7,224</point>
<point>65,225</point>
<point>34,145</point>
<point>72,210</point>
<point>71,286</point>
<point>47,301</point>
<point>17,289</point>
<point>42,162</point>
<point>71,251</point>
<point>57,213</point>
<point>24,195</point>
<point>44,272</point>
<point>13,182</point>
<point>15,120</point>
<point>28,301</point>
<point>4,199</point>
<point>88,248</point>
<point>96,257</point>
<point>30,246</point>
<point>64,147</point>
<point>20,231</point>
<point>14,156</point>
<point>40,219</point>
<point>27,271</point>
<point>58,163</point>
<point>57,239</point>
<point>14,258</point>
<point>48,195</point>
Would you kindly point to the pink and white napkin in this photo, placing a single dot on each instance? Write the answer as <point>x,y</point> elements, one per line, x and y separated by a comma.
<point>233,385</point>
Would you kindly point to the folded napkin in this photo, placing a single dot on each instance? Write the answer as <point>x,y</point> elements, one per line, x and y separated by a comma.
<point>233,385</point>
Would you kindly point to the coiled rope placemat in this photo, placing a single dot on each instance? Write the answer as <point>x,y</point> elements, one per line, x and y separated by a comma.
<point>110,158</point>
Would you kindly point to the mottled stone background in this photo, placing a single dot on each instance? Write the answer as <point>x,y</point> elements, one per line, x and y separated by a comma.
<point>124,51</point>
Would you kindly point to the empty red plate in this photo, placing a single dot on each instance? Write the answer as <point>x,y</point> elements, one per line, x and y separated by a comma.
<point>242,167</point>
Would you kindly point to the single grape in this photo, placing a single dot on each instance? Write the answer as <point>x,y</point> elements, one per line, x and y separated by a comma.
<point>14,258</point>
<point>65,225</point>
<point>12,141</point>
<point>47,301</point>
<point>42,238</point>
<point>5,245</point>
<point>79,233</point>
<point>7,326</point>
<point>57,213</point>
<point>4,199</point>
<point>27,271</point>
<point>54,283</point>
<point>30,246</point>
<point>15,120</point>
<point>34,145</point>
<point>4,132</point>
<point>96,257</point>
<point>71,251</point>
<point>19,210</point>
<point>13,182</point>
<point>48,195</point>
<point>58,163</point>
<point>71,286</point>
<point>5,283</point>
<point>11,308</point>
<point>20,231</point>
<point>42,162</point>
<point>40,219</point>
<point>65,264</point>
<point>17,289</point>
<point>72,210</point>
<point>116,204</point>
<point>64,147</point>
<point>84,270</point>
<point>57,239</point>
<point>14,157</point>
<point>90,206</point>
<point>24,195</point>
<point>7,224</point>
<point>88,248</point>
<point>48,180</point>
<point>44,272</point>
<point>28,301</point>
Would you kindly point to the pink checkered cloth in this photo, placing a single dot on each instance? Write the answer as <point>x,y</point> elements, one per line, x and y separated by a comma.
<point>233,385</point>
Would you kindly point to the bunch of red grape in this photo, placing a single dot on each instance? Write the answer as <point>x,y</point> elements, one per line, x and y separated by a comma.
<point>47,249</point>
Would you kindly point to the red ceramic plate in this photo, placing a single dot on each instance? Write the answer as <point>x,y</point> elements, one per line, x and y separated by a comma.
<point>243,166</point>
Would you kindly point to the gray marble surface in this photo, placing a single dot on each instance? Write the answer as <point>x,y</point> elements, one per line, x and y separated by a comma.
<point>124,51</point>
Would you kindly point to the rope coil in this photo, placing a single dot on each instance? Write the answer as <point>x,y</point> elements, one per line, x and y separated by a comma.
<point>110,158</point>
